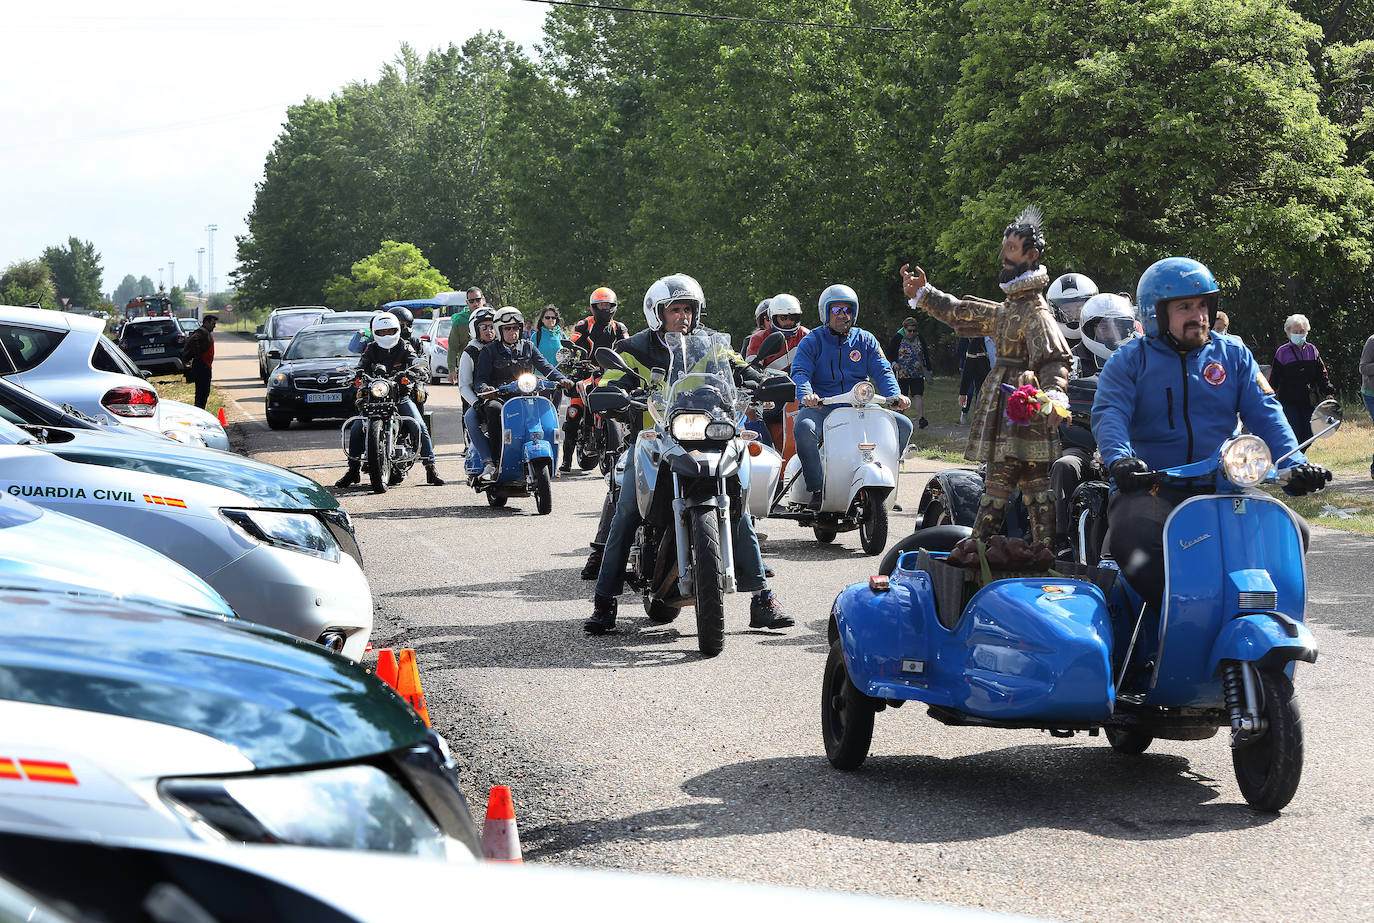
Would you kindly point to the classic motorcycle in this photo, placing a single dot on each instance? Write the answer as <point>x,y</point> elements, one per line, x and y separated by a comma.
<point>860,458</point>
<point>691,472</point>
<point>1077,650</point>
<point>392,438</point>
<point>530,437</point>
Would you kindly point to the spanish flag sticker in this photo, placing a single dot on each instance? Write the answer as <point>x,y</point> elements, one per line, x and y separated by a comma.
<point>1263,383</point>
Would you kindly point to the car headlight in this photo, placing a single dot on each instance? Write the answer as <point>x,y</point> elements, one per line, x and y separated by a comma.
<point>526,383</point>
<point>690,427</point>
<point>346,807</point>
<point>380,388</point>
<point>301,532</point>
<point>1245,460</point>
<point>863,392</point>
<point>278,378</point>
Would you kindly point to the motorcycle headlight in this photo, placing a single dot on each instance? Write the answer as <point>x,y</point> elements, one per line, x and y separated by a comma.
<point>346,807</point>
<point>1245,460</point>
<point>301,532</point>
<point>690,427</point>
<point>380,389</point>
<point>720,430</point>
<point>526,383</point>
<point>863,392</point>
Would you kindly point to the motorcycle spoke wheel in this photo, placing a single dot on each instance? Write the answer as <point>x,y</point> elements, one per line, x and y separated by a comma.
<point>1269,768</point>
<point>378,457</point>
<point>873,525</point>
<point>846,714</point>
<point>543,489</point>
<point>710,579</point>
<point>936,515</point>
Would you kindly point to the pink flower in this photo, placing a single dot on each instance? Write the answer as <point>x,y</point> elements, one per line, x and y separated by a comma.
<point>1022,403</point>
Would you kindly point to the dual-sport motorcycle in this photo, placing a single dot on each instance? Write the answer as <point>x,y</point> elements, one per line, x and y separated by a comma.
<point>529,437</point>
<point>861,459</point>
<point>392,438</point>
<point>1076,649</point>
<point>693,477</point>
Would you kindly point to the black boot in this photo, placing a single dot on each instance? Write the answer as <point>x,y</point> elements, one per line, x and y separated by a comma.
<point>592,568</point>
<point>432,476</point>
<point>603,615</point>
<point>352,476</point>
<point>766,612</point>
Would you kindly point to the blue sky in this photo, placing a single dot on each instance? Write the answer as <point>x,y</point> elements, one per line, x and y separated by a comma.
<point>135,124</point>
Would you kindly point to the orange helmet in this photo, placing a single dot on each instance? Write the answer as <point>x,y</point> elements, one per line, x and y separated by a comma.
<point>603,295</point>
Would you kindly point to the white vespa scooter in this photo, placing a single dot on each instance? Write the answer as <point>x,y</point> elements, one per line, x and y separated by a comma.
<point>860,458</point>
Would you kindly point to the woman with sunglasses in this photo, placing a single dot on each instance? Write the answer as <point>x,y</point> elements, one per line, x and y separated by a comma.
<point>910,362</point>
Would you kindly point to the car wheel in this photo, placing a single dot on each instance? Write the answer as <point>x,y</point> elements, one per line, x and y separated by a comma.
<point>278,420</point>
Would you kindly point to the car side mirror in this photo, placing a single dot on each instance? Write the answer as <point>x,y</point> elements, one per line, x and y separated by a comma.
<point>145,373</point>
<point>260,329</point>
<point>274,354</point>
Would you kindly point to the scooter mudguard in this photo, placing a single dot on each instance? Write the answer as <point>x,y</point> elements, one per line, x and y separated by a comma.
<point>1265,641</point>
<point>1025,649</point>
<point>526,420</point>
<point>1225,558</point>
<point>877,478</point>
<point>763,471</point>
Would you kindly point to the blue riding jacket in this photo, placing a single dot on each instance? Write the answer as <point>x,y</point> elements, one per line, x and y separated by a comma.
<point>1169,409</point>
<point>826,365</point>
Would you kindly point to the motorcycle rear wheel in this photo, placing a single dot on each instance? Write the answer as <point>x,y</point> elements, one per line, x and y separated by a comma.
<point>846,714</point>
<point>710,592</point>
<point>873,524</point>
<point>378,456</point>
<point>543,488</point>
<point>1269,768</point>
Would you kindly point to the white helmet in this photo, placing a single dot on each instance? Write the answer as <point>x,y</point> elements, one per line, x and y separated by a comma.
<point>1066,296</point>
<point>507,317</point>
<point>480,316</point>
<point>836,293</point>
<point>386,330</point>
<point>1108,321</point>
<point>665,291</point>
<point>761,311</point>
<point>783,305</point>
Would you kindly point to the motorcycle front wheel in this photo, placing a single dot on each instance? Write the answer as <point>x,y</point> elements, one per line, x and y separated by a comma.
<point>710,591</point>
<point>846,714</point>
<point>378,456</point>
<point>1269,767</point>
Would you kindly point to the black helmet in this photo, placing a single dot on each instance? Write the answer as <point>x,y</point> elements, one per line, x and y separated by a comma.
<point>403,316</point>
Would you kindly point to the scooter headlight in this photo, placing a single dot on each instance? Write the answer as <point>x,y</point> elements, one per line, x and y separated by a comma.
<point>863,392</point>
<point>526,383</point>
<point>690,427</point>
<point>380,389</point>
<point>1245,460</point>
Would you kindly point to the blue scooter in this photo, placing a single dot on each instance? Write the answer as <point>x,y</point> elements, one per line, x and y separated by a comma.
<point>530,438</point>
<point>1082,652</point>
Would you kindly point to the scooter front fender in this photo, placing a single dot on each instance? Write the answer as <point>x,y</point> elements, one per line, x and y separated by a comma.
<point>1264,639</point>
<point>874,476</point>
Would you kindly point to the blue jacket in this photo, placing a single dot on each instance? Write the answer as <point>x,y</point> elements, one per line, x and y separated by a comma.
<point>826,366</point>
<point>1168,410</point>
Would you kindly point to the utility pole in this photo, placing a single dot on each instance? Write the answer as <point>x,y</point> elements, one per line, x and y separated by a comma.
<point>159,278</point>
<point>212,228</point>
<point>200,271</point>
<point>172,274</point>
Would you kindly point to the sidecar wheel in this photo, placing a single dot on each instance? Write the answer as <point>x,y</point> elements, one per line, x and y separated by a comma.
<point>710,591</point>
<point>1269,768</point>
<point>495,500</point>
<point>824,536</point>
<point>543,490</point>
<point>1129,741</point>
<point>873,524</point>
<point>846,714</point>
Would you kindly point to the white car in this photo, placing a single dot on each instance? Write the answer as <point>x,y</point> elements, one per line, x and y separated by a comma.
<point>68,359</point>
<point>435,336</point>
<point>273,543</point>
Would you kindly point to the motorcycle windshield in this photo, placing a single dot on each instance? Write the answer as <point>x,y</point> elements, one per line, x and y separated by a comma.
<point>700,378</point>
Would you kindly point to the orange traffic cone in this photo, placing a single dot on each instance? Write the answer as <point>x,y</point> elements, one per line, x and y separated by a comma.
<point>500,836</point>
<point>222,421</point>
<point>408,684</point>
<point>386,667</point>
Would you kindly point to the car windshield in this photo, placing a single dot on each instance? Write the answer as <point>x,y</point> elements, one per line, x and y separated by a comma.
<point>320,344</point>
<point>285,326</point>
<point>151,330</point>
<point>700,377</point>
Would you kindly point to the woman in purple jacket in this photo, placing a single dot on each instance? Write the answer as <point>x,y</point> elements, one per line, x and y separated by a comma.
<point>1299,377</point>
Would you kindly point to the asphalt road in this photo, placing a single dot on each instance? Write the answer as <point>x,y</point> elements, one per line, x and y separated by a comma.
<point>630,751</point>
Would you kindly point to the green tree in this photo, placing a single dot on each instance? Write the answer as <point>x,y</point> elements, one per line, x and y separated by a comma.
<point>76,272</point>
<point>127,289</point>
<point>396,272</point>
<point>146,286</point>
<point>177,297</point>
<point>190,285</point>
<point>28,282</point>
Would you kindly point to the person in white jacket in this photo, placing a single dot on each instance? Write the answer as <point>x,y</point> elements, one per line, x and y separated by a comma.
<point>482,327</point>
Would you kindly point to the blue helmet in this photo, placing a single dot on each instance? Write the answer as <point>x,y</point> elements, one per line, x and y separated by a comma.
<point>838,293</point>
<point>1174,277</point>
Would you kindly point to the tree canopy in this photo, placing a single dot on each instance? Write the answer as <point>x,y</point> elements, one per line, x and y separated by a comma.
<point>76,272</point>
<point>396,272</point>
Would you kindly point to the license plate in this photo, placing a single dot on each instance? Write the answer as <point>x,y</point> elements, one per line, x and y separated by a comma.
<point>154,350</point>
<point>332,397</point>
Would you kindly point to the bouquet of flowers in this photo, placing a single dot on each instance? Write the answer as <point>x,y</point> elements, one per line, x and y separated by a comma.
<point>1025,402</point>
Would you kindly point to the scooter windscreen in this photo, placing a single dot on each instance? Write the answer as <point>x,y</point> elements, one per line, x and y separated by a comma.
<point>698,401</point>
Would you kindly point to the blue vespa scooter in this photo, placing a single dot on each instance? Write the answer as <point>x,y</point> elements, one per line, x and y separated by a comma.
<point>1080,651</point>
<point>530,438</point>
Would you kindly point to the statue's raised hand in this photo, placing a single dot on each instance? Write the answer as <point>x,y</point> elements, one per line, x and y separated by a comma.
<point>912,282</point>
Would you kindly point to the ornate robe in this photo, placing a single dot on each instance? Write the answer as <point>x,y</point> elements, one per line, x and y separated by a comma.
<point>1026,339</point>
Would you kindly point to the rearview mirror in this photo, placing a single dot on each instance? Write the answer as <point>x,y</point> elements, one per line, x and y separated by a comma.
<point>274,354</point>
<point>261,327</point>
<point>1327,414</point>
<point>771,344</point>
<point>776,391</point>
<point>607,400</point>
<point>609,359</point>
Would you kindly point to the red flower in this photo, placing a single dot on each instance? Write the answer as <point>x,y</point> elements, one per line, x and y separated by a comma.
<point>1022,404</point>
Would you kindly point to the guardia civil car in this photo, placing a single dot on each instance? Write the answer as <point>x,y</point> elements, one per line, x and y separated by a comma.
<point>273,543</point>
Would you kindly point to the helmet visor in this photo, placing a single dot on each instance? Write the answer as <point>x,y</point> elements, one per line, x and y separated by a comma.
<point>1111,332</point>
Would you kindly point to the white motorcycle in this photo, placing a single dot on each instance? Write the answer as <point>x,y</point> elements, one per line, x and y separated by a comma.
<point>860,459</point>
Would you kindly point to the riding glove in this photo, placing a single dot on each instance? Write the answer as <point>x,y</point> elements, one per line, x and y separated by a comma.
<point>1305,478</point>
<point>1131,474</point>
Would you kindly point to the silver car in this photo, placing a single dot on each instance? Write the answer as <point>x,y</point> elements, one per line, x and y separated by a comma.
<point>274,335</point>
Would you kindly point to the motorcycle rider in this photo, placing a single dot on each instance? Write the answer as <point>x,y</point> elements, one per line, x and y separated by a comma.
<point>395,355</point>
<point>1106,322</point>
<point>501,362</point>
<point>1067,295</point>
<point>1172,397</point>
<point>784,316</point>
<point>831,360</point>
<point>673,304</point>
<point>760,324</point>
<point>591,333</point>
<point>481,331</point>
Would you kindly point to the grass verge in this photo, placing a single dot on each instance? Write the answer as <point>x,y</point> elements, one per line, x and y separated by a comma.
<point>176,388</point>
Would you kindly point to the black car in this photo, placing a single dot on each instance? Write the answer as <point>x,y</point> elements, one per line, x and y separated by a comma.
<point>153,342</point>
<point>315,378</point>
